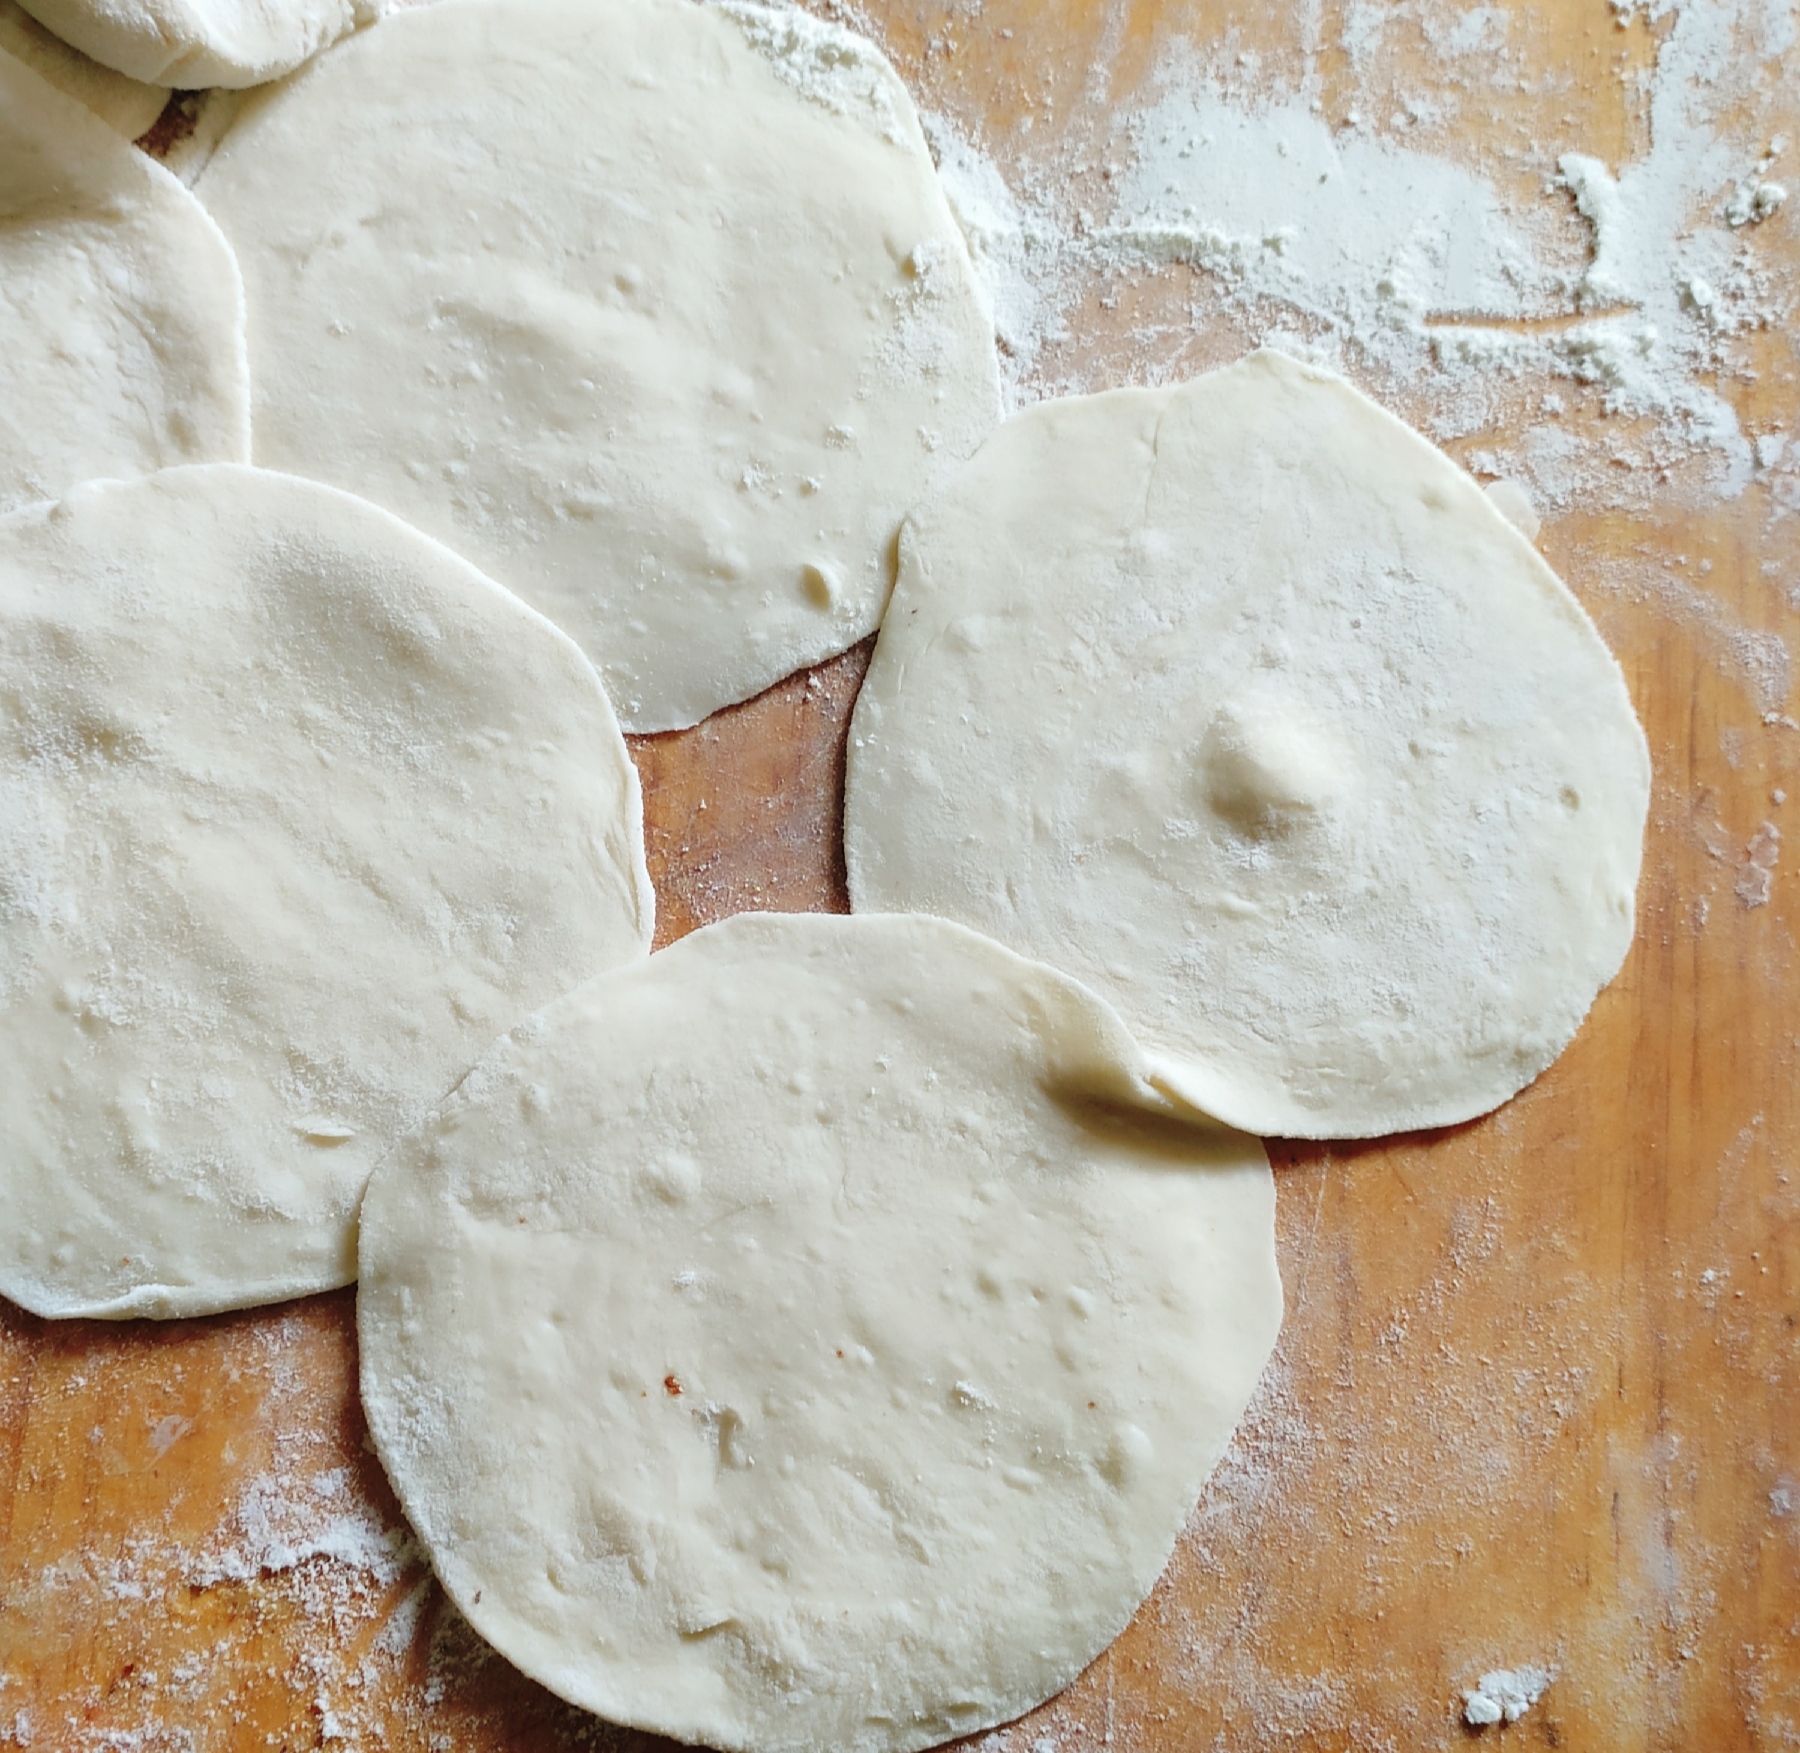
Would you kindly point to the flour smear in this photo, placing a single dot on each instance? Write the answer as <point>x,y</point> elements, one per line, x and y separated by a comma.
<point>1485,311</point>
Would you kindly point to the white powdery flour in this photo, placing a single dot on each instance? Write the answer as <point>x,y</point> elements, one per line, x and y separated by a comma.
<point>1487,312</point>
<point>1504,1695</point>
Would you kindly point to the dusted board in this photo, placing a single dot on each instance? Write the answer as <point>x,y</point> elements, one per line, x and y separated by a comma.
<point>1535,1401</point>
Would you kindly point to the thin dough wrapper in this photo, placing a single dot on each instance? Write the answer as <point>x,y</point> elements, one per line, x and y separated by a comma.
<point>1284,739</point>
<point>654,310</point>
<point>121,309</point>
<point>127,106</point>
<point>196,44</point>
<point>814,1338</point>
<point>297,812</point>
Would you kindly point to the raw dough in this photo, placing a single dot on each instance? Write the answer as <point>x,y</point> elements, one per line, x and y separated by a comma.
<point>297,812</point>
<point>121,310</point>
<point>198,43</point>
<point>1242,703</point>
<point>654,310</point>
<point>813,1339</point>
<point>127,106</point>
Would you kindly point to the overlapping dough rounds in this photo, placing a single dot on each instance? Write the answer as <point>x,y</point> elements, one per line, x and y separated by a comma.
<point>654,310</point>
<point>127,106</point>
<point>198,43</point>
<point>1282,738</point>
<point>814,1338</point>
<point>121,309</point>
<point>298,812</point>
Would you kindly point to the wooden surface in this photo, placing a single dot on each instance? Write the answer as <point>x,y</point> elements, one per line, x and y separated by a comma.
<point>1535,1398</point>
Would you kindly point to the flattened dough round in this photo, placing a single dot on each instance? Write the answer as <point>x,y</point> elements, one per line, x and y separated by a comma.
<point>298,811</point>
<point>654,310</point>
<point>127,106</point>
<point>814,1338</point>
<point>194,44</point>
<point>121,309</point>
<point>1282,738</point>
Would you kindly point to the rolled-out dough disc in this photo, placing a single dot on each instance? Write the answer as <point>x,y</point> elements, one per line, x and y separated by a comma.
<point>121,309</point>
<point>1242,703</point>
<point>298,811</point>
<point>194,44</point>
<point>127,106</point>
<point>813,1338</point>
<point>654,310</point>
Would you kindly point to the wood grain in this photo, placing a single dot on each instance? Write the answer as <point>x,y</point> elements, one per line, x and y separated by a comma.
<point>1536,1396</point>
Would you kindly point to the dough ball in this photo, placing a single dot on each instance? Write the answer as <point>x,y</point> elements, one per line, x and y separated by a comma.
<point>814,1338</point>
<point>194,44</point>
<point>654,310</point>
<point>121,309</point>
<point>1283,739</point>
<point>297,812</point>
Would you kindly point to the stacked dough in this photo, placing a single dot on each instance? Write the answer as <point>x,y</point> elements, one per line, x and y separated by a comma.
<point>815,1334</point>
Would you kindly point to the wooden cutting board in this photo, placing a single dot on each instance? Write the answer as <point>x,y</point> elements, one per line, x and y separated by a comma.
<point>1535,1401</point>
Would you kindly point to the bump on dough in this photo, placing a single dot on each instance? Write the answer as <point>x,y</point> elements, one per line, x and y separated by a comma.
<point>815,1337</point>
<point>1285,740</point>
<point>297,812</point>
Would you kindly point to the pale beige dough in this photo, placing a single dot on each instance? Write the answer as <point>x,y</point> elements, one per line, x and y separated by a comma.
<point>1242,703</point>
<point>121,309</point>
<point>654,310</point>
<point>195,44</point>
<point>127,106</point>
<point>298,811</point>
<point>814,1338</point>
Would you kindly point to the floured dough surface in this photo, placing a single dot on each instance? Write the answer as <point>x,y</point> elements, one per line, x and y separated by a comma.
<point>1283,738</point>
<point>121,309</point>
<point>127,106</point>
<point>693,331</point>
<point>194,44</point>
<point>815,1337</point>
<point>297,812</point>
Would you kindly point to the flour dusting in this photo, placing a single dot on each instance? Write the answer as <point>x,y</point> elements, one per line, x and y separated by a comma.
<point>1604,324</point>
<point>1335,234</point>
<point>837,69</point>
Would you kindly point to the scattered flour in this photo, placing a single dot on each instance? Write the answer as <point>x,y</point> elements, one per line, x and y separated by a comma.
<point>1551,279</point>
<point>825,63</point>
<point>1504,1695</point>
<point>1349,243</point>
<point>1756,880</point>
<point>1022,259</point>
<point>284,1523</point>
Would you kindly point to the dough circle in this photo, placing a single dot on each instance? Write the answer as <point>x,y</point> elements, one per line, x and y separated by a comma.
<point>1284,740</point>
<point>654,310</point>
<point>195,44</point>
<point>813,1338</point>
<point>121,308</point>
<point>126,106</point>
<point>297,812</point>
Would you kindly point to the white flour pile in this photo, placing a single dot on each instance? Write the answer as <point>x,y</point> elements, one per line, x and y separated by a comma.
<point>1503,1695</point>
<point>1471,295</point>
